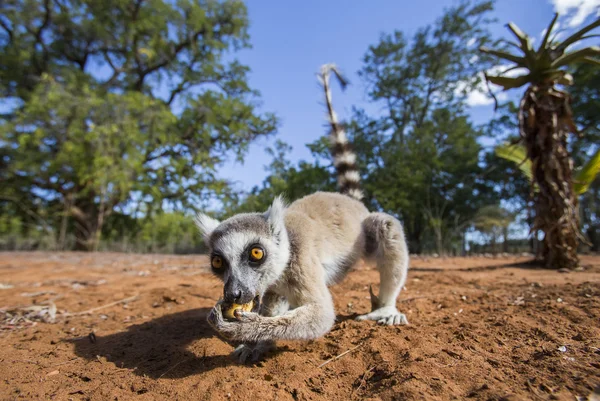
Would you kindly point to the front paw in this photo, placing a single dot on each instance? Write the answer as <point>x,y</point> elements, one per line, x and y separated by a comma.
<point>240,329</point>
<point>218,323</point>
<point>387,315</point>
<point>252,353</point>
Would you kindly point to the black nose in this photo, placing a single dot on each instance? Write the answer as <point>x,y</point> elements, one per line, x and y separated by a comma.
<point>234,291</point>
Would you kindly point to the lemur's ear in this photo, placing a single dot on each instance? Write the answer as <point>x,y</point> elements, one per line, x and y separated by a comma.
<point>275,216</point>
<point>206,224</point>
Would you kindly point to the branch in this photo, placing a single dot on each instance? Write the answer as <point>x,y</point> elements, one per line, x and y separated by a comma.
<point>7,29</point>
<point>38,35</point>
<point>78,213</point>
<point>178,48</point>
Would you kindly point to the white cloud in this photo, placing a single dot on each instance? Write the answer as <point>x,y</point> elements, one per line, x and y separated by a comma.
<point>576,11</point>
<point>480,96</point>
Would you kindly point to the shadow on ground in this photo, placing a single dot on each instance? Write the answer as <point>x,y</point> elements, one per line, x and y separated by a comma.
<point>164,347</point>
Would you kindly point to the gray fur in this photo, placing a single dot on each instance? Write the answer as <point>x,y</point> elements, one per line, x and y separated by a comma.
<point>310,245</point>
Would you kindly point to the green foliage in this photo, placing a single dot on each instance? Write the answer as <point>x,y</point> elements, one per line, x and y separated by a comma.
<point>584,175</point>
<point>545,66</point>
<point>151,133</point>
<point>492,218</point>
<point>517,154</point>
<point>420,158</point>
<point>293,182</point>
<point>587,174</point>
<point>164,233</point>
<point>585,95</point>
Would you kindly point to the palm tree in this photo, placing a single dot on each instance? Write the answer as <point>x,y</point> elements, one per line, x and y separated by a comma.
<point>545,121</point>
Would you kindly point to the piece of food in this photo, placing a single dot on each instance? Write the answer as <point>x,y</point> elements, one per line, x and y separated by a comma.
<point>229,310</point>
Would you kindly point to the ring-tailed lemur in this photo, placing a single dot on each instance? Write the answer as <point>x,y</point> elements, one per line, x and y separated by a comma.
<point>285,259</point>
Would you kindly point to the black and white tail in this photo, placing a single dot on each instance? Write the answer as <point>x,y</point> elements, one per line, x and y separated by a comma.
<point>344,159</point>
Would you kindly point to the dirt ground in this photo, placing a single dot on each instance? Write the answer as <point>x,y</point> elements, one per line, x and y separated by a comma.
<point>480,329</point>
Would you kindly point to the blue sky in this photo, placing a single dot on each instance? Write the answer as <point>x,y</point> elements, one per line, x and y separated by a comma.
<point>291,40</point>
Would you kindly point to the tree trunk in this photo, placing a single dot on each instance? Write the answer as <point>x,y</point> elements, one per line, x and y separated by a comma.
<point>88,225</point>
<point>505,237</point>
<point>62,236</point>
<point>414,236</point>
<point>532,234</point>
<point>545,124</point>
<point>439,241</point>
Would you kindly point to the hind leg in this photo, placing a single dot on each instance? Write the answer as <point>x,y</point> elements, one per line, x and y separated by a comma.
<point>272,305</point>
<point>386,244</point>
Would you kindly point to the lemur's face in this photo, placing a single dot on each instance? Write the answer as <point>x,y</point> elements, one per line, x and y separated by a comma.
<point>248,253</point>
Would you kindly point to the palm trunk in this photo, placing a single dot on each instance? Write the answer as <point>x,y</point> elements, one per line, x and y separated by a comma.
<point>544,123</point>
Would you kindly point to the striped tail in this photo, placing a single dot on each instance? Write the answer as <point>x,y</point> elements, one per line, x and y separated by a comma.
<point>344,159</point>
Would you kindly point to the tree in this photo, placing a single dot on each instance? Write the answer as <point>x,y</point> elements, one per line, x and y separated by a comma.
<point>545,120</point>
<point>293,182</point>
<point>493,221</point>
<point>419,157</point>
<point>122,103</point>
<point>585,94</point>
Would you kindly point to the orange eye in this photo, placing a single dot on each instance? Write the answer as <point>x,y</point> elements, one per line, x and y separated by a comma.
<point>216,262</point>
<point>257,254</point>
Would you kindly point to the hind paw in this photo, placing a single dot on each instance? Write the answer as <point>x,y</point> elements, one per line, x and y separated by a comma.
<point>387,315</point>
<point>251,353</point>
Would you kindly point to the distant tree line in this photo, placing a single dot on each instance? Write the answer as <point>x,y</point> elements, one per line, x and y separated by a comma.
<point>116,161</point>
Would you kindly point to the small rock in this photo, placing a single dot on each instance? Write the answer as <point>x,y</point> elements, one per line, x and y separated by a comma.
<point>564,270</point>
<point>54,372</point>
<point>562,348</point>
<point>559,300</point>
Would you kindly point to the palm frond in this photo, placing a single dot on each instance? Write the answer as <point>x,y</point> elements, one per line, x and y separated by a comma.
<point>577,36</point>
<point>508,82</point>
<point>504,55</point>
<point>544,43</point>
<point>586,176</point>
<point>517,154</point>
<point>576,55</point>
<point>590,60</point>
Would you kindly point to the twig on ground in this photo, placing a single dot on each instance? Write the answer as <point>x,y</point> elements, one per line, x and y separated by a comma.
<point>339,356</point>
<point>173,367</point>
<point>411,299</point>
<point>64,363</point>
<point>362,380</point>
<point>90,311</point>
